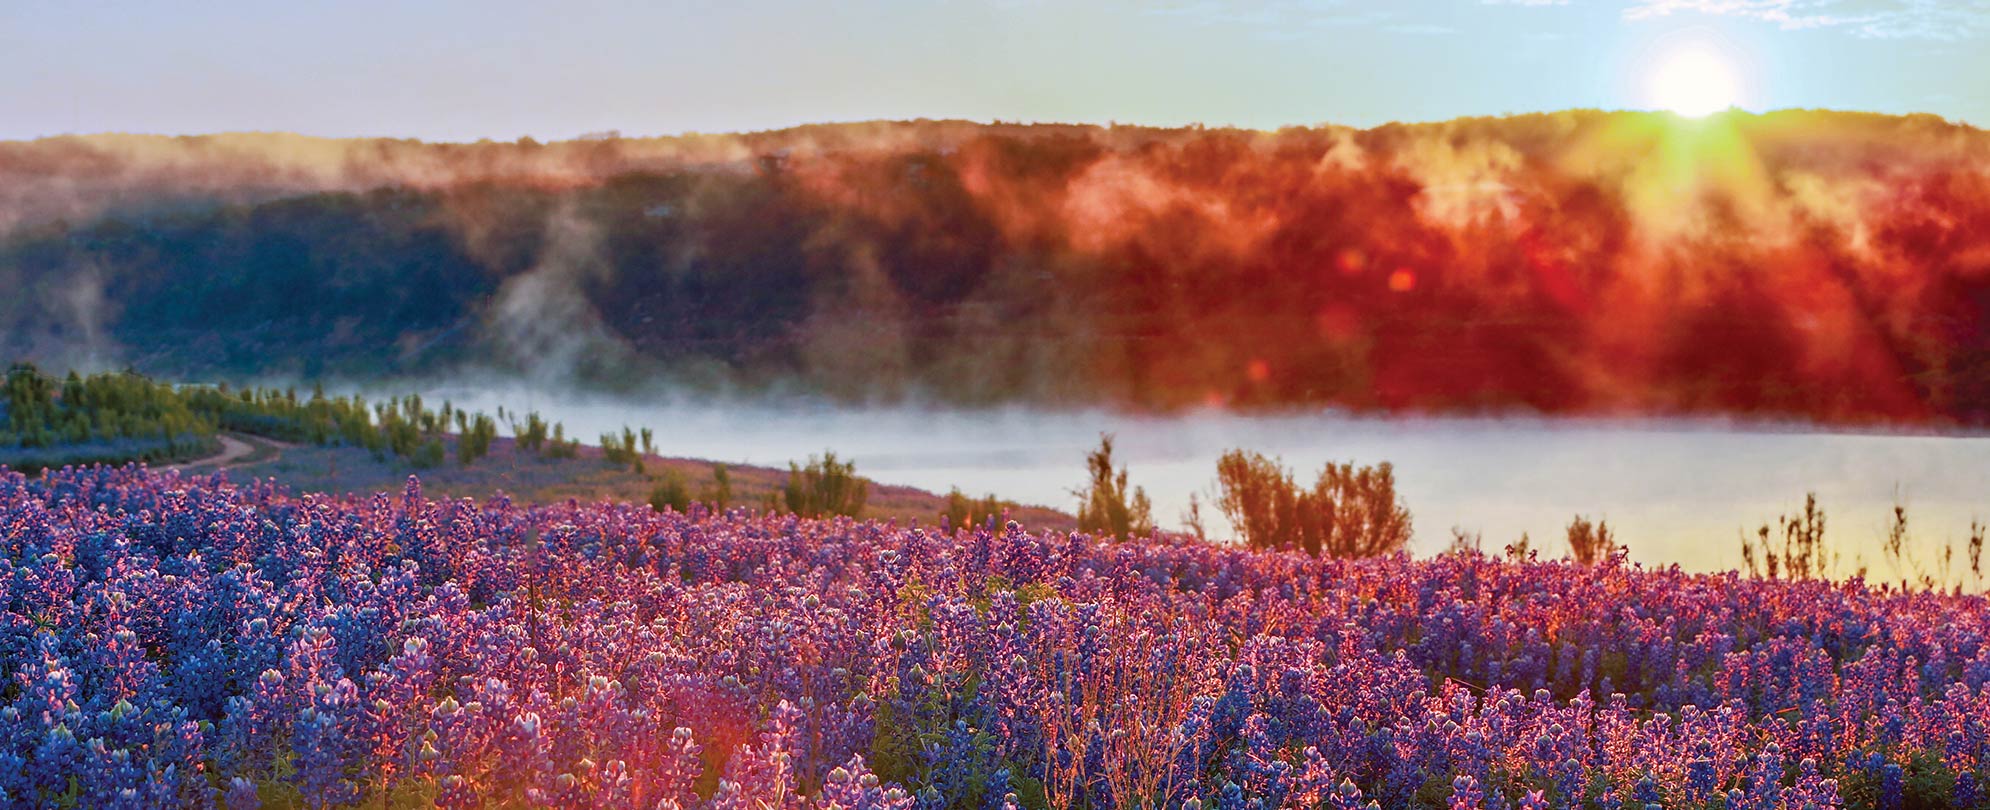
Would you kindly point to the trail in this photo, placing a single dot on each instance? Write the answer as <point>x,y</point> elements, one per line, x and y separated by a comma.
<point>232,450</point>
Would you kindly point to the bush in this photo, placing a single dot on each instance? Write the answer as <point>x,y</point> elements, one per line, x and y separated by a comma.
<point>1107,506</point>
<point>622,448</point>
<point>531,435</point>
<point>1590,543</point>
<point>1803,553</point>
<point>671,493</point>
<point>963,511</point>
<point>825,487</point>
<point>428,455</point>
<point>559,446</point>
<point>475,441</point>
<point>719,493</point>
<point>1350,512</point>
<point>1260,499</point>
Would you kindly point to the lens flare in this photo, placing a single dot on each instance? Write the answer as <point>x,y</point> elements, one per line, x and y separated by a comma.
<point>1694,82</point>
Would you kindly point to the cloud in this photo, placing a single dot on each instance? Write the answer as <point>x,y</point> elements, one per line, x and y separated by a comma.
<point>1873,19</point>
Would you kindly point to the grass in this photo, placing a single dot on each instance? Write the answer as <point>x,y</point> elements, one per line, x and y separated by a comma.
<point>530,477</point>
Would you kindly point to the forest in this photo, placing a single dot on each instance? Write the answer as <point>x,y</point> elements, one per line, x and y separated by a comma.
<point>1831,267</point>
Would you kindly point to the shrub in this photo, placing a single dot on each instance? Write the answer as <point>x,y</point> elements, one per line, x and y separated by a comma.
<point>1590,543</point>
<point>559,446</point>
<point>671,493</point>
<point>963,511</point>
<point>1107,506</point>
<point>719,492</point>
<point>532,435</point>
<point>622,448</point>
<point>1350,511</point>
<point>1260,499</point>
<point>825,487</point>
<point>1803,553</point>
<point>476,437</point>
<point>428,454</point>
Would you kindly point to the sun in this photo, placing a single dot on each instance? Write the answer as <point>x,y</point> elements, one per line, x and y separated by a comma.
<point>1693,81</point>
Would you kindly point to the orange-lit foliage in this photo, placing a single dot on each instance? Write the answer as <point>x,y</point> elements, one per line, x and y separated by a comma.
<point>1829,266</point>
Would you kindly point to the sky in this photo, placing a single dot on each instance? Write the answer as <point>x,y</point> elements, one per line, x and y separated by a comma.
<point>502,69</point>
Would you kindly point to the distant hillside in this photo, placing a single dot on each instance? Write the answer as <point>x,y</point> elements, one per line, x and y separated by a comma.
<point>528,477</point>
<point>1826,266</point>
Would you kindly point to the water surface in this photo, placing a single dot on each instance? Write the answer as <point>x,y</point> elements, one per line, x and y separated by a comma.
<point>1675,491</point>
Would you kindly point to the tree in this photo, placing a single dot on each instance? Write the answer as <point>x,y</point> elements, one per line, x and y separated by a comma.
<point>1107,506</point>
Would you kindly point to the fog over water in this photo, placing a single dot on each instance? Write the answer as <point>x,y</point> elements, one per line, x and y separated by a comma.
<point>1675,491</point>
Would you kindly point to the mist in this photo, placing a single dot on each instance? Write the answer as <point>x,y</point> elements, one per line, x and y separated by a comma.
<point>1676,491</point>
<point>1824,267</point>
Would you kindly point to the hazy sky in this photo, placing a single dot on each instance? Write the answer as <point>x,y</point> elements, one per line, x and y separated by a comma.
<point>466,69</point>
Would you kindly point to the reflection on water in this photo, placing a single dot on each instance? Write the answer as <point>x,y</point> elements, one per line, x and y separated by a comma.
<point>1676,492</point>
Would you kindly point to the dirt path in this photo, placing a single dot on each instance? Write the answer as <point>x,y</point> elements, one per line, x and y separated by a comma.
<point>232,450</point>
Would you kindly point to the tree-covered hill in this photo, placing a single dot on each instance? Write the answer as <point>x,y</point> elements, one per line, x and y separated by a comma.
<point>1825,266</point>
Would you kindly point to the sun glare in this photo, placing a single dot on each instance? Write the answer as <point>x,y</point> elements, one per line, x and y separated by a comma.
<point>1693,81</point>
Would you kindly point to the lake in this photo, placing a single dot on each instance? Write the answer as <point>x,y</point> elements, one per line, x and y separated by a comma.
<point>1674,491</point>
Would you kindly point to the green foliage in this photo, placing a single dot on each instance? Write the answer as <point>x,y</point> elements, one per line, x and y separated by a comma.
<point>671,493</point>
<point>963,511</point>
<point>532,435</point>
<point>122,416</point>
<point>559,446</point>
<point>1107,506</point>
<point>825,487</point>
<point>429,455</point>
<point>719,492</point>
<point>98,417</point>
<point>1350,511</point>
<point>1926,783</point>
<point>622,449</point>
<point>474,437</point>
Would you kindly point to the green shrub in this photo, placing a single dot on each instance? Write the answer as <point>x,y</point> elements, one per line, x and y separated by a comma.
<point>671,493</point>
<point>825,487</point>
<point>963,511</point>
<point>719,492</point>
<point>1107,506</point>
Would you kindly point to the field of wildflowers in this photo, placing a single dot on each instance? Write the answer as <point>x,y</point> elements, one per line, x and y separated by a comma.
<point>184,641</point>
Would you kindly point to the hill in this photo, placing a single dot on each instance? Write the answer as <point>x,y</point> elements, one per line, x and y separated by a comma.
<point>532,478</point>
<point>1824,266</point>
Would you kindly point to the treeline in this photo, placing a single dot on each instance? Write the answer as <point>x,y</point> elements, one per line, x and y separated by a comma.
<point>106,416</point>
<point>1531,263</point>
<point>125,416</point>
